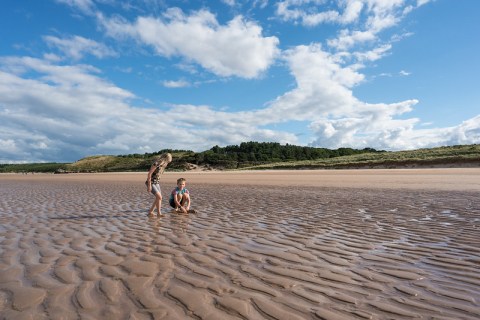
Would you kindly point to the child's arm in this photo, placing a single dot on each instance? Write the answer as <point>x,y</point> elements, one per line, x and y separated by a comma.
<point>149,178</point>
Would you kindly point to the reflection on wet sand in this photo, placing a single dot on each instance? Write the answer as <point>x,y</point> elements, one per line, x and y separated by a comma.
<point>70,249</point>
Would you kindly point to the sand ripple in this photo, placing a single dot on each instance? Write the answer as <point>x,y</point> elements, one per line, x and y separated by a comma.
<point>74,249</point>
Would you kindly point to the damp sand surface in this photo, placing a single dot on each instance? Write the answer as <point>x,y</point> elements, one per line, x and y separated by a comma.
<point>353,244</point>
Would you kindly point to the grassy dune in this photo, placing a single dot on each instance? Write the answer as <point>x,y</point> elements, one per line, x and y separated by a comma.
<point>454,156</point>
<point>107,163</point>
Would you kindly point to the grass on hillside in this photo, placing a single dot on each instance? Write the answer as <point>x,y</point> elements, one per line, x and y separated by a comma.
<point>435,156</point>
<point>122,163</point>
<point>107,163</point>
<point>443,156</point>
<point>33,167</point>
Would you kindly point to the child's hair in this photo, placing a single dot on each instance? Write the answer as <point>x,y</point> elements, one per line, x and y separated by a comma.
<point>181,180</point>
<point>163,160</point>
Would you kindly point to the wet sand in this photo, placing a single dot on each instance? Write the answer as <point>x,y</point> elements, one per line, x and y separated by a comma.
<point>353,244</point>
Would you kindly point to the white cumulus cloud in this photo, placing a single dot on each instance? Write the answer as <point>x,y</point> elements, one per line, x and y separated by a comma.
<point>76,47</point>
<point>175,83</point>
<point>237,48</point>
<point>67,112</point>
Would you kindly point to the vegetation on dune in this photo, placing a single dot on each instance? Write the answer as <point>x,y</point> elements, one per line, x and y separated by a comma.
<point>33,167</point>
<point>267,155</point>
<point>105,164</point>
<point>442,156</point>
<point>249,154</point>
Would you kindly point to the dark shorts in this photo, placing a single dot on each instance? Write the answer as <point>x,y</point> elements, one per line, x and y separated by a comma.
<point>172,202</point>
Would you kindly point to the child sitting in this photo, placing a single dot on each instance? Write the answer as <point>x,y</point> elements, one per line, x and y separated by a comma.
<point>180,198</point>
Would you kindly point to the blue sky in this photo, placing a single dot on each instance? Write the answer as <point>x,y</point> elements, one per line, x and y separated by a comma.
<point>87,77</point>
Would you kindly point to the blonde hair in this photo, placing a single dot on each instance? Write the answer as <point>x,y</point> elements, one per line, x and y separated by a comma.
<point>181,180</point>
<point>163,160</point>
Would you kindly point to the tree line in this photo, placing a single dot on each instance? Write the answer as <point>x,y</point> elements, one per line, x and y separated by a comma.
<point>255,153</point>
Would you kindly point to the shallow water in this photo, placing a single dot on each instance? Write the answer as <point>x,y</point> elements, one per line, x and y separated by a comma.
<point>87,250</point>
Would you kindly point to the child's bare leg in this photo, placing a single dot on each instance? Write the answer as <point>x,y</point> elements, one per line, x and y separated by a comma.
<point>150,212</point>
<point>180,200</point>
<point>186,204</point>
<point>186,201</point>
<point>158,203</point>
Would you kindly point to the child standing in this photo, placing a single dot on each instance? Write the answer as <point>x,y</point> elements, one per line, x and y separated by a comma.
<point>153,181</point>
<point>180,198</point>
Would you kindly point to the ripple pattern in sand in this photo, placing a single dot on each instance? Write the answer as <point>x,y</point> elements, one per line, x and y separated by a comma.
<point>75,250</point>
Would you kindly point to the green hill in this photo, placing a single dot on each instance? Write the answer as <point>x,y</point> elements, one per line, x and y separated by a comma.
<point>454,156</point>
<point>267,155</point>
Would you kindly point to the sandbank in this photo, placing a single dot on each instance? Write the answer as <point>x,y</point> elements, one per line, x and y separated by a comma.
<point>339,244</point>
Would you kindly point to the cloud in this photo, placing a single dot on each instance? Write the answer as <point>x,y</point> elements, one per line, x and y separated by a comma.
<point>234,49</point>
<point>422,2</point>
<point>348,39</point>
<point>230,3</point>
<point>76,47</point>
<point>64,107</point>
<point>324,97</point>
<point>465,133</point>
<point>259,3</point>
<point>323,86</point>
<point>85,6</point>
<point>176,84</point>
<point>309,13</point>
<point>54,112</point>
<point>391,134</point>
<point>374,54</point>
<point>362,20</point>
<point>372,126</point>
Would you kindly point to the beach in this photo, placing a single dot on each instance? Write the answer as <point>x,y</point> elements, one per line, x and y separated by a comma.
<point>305,244</point>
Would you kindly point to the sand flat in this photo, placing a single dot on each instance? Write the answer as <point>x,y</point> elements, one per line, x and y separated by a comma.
<point>326,244</point>
<point>431,179</point>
